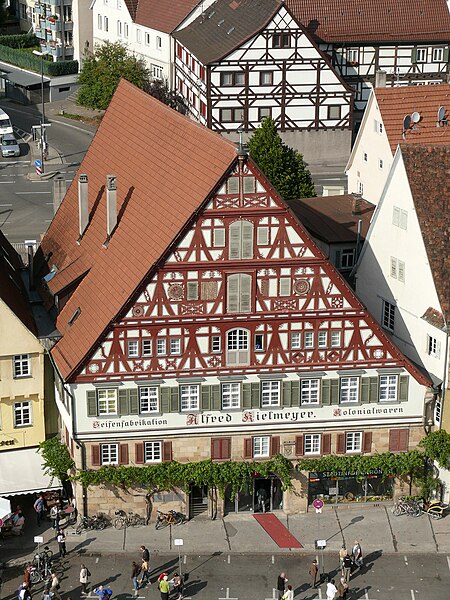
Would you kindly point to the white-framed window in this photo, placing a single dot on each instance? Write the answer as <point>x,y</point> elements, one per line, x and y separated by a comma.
<point>147,38</point>
<point>22,414</point>
<point>311,443</point>
<point>161,347</point>
<point>270,393</point>
<point>152,452</point>
<point>148,399</point>
<point>284,286</point>
<point>378,126</point>
<point>192,290</point>
<point>119,4</point>
<point>109,454</point>
<point>380,163</point>
<point>138,36</point>
<point>322,339</point>
<point>261,446</point>
<point>360,188</point>
<point>266,78</point>
<point>421,55</point>
<point>119,28</point>
<point>21,365</point>
<point>349,389</point>
<point>387,387</point>
<point>238,347</point>
<point>146,347</point>
<point>397,269</point>
<point>189,395</point>
<point>400,217</point>
<point>216,343</point>
<point>335,339</point>
<point>231,395</point>
<point>438,54</point>
<point>365,157</point>
<point>296,340</point>
<point>107,401</point>
<point>309,391</point>
<point>175,345</point>
<point>125,30</point>
<point>133,348</point>
<point>100,22</point>
<point>352,55</point>
<point>388,315</point>
<point>347,258</point>
<point>433,346</point>
<point>241,240</point>
<point>259,342</point>
<point>105,23</point>
<point>219,237</point>
<point>308,339</point>
<point>353,441</point>
<point>158,42</point>
<point>239,293</point>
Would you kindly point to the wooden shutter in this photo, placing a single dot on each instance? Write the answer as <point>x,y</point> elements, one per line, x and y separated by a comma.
<point>246,395</point>
<point>285,286</point>
<point>216,403</point>
<point>124,408</point>
<point>299,445</point>
<point>167,451</point>
<point>245,293</point>
<point>403,388</point>
<point>234,241</point>
<point>95,455</point>
<point>219,237</point>
<point>91,399</point>
<point>403,435</point>
<point>139,453</point>
<point>206,397</point>
<point>325,392</point>
<point>247,240</point>
<point>274,445</point>
<point>367,442</point>
<point>174,399</point>
<point>248,448</point>
<point>134,401</point>
<point>414,55</point>
<point>365,390</point>
<point>256,399</point>
<point>164,399</point>
<point>226,448</point>
<point>215,448</point>
<point>286,395</point>
<point>446,55</point>
<point>192,290</point>
<point>123,454</point>
<point>326,443</point>
<point>373,392</point>
<point>220,448</point>
<point>334,393</point>
<point>233,293</point>
<point>394,438</point>
<point>340,445</point>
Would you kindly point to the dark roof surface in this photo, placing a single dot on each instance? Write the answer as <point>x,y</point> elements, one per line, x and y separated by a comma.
<point>162,15</point>
<point>373,20</point>
<point>428,168</point>
<point>330,218</point>
<point>225,26</point>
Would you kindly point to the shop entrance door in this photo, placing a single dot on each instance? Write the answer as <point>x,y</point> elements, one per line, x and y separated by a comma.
<point>268,495</point>
<point>198,500</point>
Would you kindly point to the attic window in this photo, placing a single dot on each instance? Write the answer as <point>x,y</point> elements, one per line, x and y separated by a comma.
<point>281,40</point>
<point>75,316</point>
<point>50,274</point>
<point>221,22</point>
<point>211,14</point>
<point>230,31</point>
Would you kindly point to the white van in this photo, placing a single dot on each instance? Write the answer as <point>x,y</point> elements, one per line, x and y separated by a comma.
<point>5,123</point>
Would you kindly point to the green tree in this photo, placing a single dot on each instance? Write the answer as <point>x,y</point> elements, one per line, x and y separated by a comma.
<point>160,90</point>
<point>56,458</point>
<point>437,447</point>
<point>283,166</point>
<point>102,70</point>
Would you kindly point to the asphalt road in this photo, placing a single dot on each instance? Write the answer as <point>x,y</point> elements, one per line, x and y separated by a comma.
<point>243,577</point>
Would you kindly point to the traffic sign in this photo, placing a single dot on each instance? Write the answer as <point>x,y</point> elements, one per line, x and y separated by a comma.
<point>38,163</point>
<point>318,504</point>
<point>1,522</point>
<point>178,542</point>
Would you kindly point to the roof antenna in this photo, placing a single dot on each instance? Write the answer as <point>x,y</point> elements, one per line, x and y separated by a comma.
<point>242,149</point>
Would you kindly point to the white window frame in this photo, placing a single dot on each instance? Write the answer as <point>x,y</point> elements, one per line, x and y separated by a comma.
<point>147,38</point>
<point>106,24</point>
<point>231,395</point>
<point>353,442</point>
<point>352,55</point>
<point>347,258</point>
<point>149,399</point>
<point>421,55</point>
<point>175,346</point>
<point>349,390</point>
<point>161,347</point>
<point>119,28</point>
<point>322,339</point>
<point>400,218</point>
<point>189,397</point>
<point>259,347</point>
<point>309,391</point>
<point>388,388</point>
<point>109,454</point>
<point>270,393</point>
<point>388,315</point>
<point>308,339</point>
<point>152,452</point>
<point>146,347</point>
<point>335,339</point>
<point>296,340</point>
<point>433,347</point>
<point>107,401</point>
<point>261,446</point>
<point>125,30</point>
<point>21,366</point>
<point>238,347</point>
<point>438,54</point>
<point>22,414</point>
<point>365,156</point>
<point>99,22</point>
<point>158,42</point>
<point>133,348</point>
<point>380,164</point>
<point>138,36</point>
<point>216,343</point>
<point>312,443</point>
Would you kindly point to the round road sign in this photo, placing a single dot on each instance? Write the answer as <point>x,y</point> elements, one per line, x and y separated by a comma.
<point>38,163</point>
<point>1,522</point>
<point>318,503</point>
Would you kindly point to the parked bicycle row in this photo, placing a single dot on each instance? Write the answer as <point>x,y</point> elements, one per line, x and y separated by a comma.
<point>414,507</point>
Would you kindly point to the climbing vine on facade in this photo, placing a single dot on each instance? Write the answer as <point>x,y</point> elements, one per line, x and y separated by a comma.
<point>57,461</point>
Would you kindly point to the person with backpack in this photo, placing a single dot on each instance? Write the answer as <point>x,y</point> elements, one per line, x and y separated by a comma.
<point>104,593</point>
<point>47,594</point>
<point>84,578</point>
<point>347,567</point>
<point>24,592</point>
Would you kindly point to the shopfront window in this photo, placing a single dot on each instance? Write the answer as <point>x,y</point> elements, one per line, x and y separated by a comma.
<point>347,488</point>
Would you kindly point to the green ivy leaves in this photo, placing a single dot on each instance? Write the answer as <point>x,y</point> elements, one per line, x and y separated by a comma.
<point>56,458</point>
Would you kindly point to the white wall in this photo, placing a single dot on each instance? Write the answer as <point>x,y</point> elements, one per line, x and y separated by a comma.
<point>82,27</point>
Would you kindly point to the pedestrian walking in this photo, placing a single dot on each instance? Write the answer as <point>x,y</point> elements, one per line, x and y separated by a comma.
<point>357,554</point>
<point>27,575</point>
<point>84,578</point>
<point>61,539</point>
<point>342,554</point>
<point>24,592</point>
<point>164,587</point>
<point>47,594</point>
<point>347,568</point>
<point>342,588</point>
<point>281,584</point>
<point>135,570</point>
<point>104,593</point>
<point>39,507</point>
<point>145,574</point>
<point>314,573</point>
<point>145,554</point>
<point>331,590</point>
<point>55,586</point>
<point>289,593</point>
<point>261,496</point>
<point>177,586</point>
<point>54,515</point>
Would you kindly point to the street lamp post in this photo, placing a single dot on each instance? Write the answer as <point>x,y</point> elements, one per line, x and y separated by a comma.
<point>43,136</point>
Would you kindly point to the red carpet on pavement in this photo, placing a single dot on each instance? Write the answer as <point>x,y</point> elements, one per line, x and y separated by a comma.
<point>277,531</point>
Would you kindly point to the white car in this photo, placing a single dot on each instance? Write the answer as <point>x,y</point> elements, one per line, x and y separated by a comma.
<point>10,146</point>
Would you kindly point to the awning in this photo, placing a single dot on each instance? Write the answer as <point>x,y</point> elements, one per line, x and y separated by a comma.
<point>5,508</point>
<point>21,473</point>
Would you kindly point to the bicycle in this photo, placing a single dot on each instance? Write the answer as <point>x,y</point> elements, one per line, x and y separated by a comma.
<point>128,520</point>
<point>89,523</point>
<point>406,507</point>
<point>169,518</point>
<point>41,573</point>
<point>45,556</point>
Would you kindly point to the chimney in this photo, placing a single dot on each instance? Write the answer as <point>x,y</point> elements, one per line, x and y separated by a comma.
<point>380,79</point>
<point>83,197</point>
<point>356,204</point>
<point>59,191</point>
<point>111,203</point>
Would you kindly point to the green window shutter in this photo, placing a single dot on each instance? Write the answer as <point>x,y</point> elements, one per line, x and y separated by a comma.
<point>286,397</point>
<point>373,392</point>
<point>124,408</point>
<point>414,55</point>
<point>134,402</point>
<point>216,403</point>
<point>247,395</point>
<point>365,389</point>
<point>255,395</point>
<point>446,55</point>
<point>403,388</point>
<point>174,399</point>
<point>334,391</point>
<point>325,392</point>
<point>164,399</point>
<point>295,395</point>
<point>91,398</point>
<point>206,397</point>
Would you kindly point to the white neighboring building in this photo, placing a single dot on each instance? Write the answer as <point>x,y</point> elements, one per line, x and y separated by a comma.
<point>382,128</point>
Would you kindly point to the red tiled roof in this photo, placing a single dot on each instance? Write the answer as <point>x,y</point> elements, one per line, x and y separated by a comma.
<point>330,218</point>
<point>166,166</point>
<point>162,15</point>
<point>374,20</point>
<point>396,102</point>
<point>434,317</point>
<point>428,171</point>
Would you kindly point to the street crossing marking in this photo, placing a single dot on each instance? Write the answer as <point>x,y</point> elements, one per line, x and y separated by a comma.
<point>227,597</point>
<point>412,595</point>
<point>229,559</point>
<point>406,560</point>
<point>448,562</point>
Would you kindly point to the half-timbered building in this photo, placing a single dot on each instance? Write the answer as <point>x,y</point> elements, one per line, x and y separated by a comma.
<point>408,39</point>
<point>199,320</point>
<point>241,61</point>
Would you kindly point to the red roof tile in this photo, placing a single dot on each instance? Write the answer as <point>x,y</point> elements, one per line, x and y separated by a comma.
<point>162,15</point>
<point>161,159</point>
<point>396,102</point>
<point>374,20</point>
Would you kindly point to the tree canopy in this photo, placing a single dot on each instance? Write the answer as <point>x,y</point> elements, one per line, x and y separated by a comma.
<point>283,166</point>
<point>160,90</point>
<point>102,70</point>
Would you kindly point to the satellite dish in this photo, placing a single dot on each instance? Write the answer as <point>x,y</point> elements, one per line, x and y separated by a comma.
<point>406,122</point>
<point>415,117</point>
<point>441,113</point>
